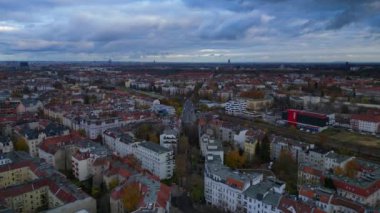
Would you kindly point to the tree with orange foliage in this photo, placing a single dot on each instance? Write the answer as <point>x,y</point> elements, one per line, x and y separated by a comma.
<point>131,197</point>
<point>20,144</point>
<point>235,160</point>
<point>351,169</point>
<point>338,171</point>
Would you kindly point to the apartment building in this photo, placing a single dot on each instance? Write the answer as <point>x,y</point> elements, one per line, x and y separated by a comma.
<point>366,123</point>
<point>236,107</point>
<point>155,158</point>
<point>363,187</point>
<point>328,201</point>
<point>35,132</point>
<point>253,137</point>
<point>31,185</point>
<point>316,156</point>
<point>95,127</point>
<point>211,146</point>
<point>162,109</point>
<point>169,139</point>
<point>82,160</point>
<point>6,144</point>
<point>310,174</point>
<point>121,143</point>
<point>156,200</point>
<point>263,197</point>
<point>203,142</point>
<point>333,160</point>
<point>57,151</point>
<point>297,149</point>
<point>223,187</point>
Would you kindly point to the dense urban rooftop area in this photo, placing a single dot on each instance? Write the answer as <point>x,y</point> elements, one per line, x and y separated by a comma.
<point>173,137</point>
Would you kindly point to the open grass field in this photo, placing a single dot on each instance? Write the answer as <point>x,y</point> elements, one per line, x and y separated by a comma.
<point>146,93</point>
<point>343,136</point>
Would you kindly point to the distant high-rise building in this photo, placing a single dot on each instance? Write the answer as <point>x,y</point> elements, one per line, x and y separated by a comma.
<point>24,65</point>
<point>347,66</point>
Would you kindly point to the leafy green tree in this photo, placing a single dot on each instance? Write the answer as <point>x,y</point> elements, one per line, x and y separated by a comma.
<point>286,169</point>
<point>329,183</point>
<point>197,188</point>
<point>180,168</point>
<point>82,132</point>
<point>264,152</point>
<point>183,145</point>
<point>113,183</point>
<point>142,131</point>
<point>95,192</point>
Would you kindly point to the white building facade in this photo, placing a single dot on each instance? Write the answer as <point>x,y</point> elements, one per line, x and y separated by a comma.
<point>155,158</point>
<point>235,107</point>
<point>223,188</point>
<point>169,139</point>
<point>119,144</point>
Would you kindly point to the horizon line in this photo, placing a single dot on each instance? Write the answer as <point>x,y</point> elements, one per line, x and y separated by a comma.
<point>198,62</point>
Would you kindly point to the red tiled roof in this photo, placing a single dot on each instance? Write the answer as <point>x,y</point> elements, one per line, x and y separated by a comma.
<point>8,119</point>
<point>124,173</point>
<point>374,89</point>
<point>306,192</point>
<point>163,195</point>
<point>311,194</point>
<point>81,155</point>
<point>51,145</point>
<point>324,198</point>
<point>364,192</point>
<point>348,204</point>
<point>317,210</point>
<point>100,161</point>
<point>235,183</point>
<point>21,189</point>
<point>60,193</point>
<point>366,117</point>
<point>116,193</point>
<point>312,171</point>
<point>202,121</point>
<point>288,203</point>
<point>14,166</point>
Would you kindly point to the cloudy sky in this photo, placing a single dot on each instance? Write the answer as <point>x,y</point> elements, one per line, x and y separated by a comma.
<point>191,30</point>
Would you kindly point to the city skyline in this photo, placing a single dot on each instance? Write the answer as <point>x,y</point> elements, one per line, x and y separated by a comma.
<point>191,30</point>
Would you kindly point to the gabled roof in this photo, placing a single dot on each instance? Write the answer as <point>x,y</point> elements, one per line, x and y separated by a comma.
<point>339,201</point>
<point>51,145</point>
<point>288,204</point>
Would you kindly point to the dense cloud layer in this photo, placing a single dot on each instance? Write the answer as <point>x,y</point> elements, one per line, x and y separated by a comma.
<point>190,30</point>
